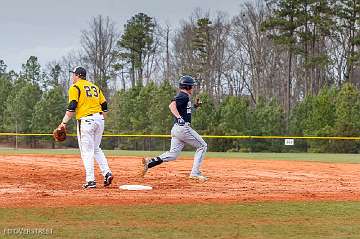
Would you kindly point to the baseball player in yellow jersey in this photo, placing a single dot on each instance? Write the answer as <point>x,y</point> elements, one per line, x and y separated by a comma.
<point>87,101</point>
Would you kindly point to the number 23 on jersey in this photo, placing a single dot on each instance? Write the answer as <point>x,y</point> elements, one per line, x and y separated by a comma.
<point>91,91</point>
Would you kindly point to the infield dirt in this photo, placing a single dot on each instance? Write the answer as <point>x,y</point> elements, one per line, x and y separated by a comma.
<point>55,181</point>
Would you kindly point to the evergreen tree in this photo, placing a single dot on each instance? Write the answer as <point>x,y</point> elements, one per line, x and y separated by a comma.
<point>122,111</point>
<point>5,90</point>
<point>142,104</point>
<point>315,116</point>
<point>347,119</point>
<point>282,26</point>
<point>20,106</point>
<point>158,113</point>
<point>31,72</point>
<point>205,119</point>
<point>135,44</point>
<point>3,67</point>
<point>202,47</point>
<point>48,112</point>
<point>53,78</point>
<point>235,120</point>
<point>21,101</point>
<point>302,27</point>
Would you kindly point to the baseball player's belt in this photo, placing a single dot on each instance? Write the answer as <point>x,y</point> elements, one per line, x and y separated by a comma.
<point>93,114</point>
<point>186,123</point>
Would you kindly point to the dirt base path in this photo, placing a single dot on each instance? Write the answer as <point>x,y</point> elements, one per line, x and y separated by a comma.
<point>53,181</point>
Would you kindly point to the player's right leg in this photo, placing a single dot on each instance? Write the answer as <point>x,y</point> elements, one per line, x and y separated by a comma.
<point>85,133</point>
<point>99,154</point>
<point>175,149</point>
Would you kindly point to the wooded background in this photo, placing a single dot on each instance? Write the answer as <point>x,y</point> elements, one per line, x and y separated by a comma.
<point>279,67</point>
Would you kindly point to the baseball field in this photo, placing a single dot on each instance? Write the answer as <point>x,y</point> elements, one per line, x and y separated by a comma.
<point>248,195</point>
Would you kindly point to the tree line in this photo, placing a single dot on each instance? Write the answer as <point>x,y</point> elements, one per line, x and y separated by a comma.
<point>279,67</point>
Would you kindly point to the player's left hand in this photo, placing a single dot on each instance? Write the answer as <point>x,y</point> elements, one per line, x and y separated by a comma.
<point>62,125</point>
<point>198,103</point>
<point>180,121</point>
<point>59,133</point>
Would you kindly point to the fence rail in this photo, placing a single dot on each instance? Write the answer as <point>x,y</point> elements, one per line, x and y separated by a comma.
<point>204,136</point>
<point>217,143</point>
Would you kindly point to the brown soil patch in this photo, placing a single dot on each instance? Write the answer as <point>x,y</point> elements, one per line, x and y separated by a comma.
<point>53,181</point>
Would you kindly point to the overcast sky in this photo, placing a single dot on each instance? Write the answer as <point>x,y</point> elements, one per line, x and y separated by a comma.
<point>49,29</point>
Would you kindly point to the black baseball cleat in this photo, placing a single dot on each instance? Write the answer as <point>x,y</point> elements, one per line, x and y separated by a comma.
<point>149,163</point>
<point>90,184</point>
<point>108,179</point>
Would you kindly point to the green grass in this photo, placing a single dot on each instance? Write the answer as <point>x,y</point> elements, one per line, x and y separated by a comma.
<point>246,220</point>
<point>316,157</point>
<point>300,220</point>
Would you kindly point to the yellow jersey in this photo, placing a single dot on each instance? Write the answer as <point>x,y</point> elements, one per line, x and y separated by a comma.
<point>88,97</point>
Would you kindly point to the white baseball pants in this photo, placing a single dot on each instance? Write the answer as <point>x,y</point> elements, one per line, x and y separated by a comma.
<point>89,133</point>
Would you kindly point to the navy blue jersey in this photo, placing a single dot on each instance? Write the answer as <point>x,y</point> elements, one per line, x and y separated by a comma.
<point>183,105</point>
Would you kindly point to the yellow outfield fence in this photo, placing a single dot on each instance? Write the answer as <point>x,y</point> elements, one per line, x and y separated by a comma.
<point>204,136</point>
<point>219,143</point>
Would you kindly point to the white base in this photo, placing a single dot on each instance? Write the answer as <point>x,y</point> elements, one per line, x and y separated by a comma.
<point>135,187</point>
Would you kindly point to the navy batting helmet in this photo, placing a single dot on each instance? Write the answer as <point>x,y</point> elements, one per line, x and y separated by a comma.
<point>186,82</point>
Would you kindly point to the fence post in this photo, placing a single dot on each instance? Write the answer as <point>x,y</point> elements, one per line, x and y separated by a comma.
<point>16,137</point>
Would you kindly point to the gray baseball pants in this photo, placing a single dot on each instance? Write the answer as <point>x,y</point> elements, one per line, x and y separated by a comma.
<point>182,135</point>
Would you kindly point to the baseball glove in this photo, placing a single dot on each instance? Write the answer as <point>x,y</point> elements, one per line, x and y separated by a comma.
<point>59,134</point>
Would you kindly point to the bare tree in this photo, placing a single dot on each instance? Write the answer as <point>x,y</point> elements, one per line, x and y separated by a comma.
<point>163,57</point>
<point>259,63</point>
<point>66,63</point>
<point>200,49</point>
<point>98,45</point>
<point>350,28</point>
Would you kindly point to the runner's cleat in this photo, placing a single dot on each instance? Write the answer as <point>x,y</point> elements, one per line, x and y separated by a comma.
<point>145,163</point>
<point>198,177</point>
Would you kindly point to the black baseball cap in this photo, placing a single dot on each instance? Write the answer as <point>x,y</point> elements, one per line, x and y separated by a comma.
<point>80,71</point>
